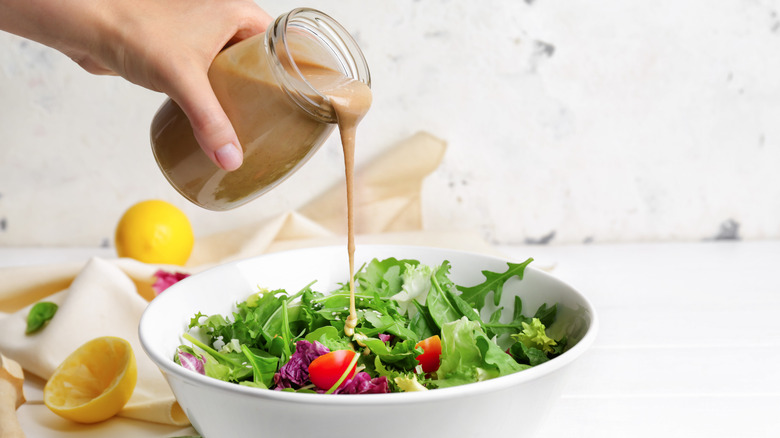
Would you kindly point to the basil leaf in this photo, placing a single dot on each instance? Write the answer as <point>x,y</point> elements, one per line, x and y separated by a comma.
<point>39,315</point>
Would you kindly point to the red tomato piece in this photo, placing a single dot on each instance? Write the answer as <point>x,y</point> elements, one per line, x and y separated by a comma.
<point>327,369</point>
<point>430,359</point>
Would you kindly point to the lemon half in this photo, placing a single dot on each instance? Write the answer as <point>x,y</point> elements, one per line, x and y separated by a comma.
<point>154,231</point>
<point>94,383</point>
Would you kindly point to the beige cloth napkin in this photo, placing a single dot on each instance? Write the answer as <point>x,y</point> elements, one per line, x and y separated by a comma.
<point>107,297</point>
<point>102,300</point>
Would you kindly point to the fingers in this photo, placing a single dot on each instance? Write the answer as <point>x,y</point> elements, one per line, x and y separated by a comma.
<point>255,20</point>
<point>193,93</point>
<point>210,124</point>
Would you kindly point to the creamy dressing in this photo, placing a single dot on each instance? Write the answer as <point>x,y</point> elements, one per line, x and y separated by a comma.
<point>351,100</point>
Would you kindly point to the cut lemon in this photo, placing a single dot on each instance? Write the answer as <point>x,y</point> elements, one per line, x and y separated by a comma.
<point>94,382</point>
<point>154,231</point>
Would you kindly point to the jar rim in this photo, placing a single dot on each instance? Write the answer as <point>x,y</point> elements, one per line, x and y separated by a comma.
<point>329,35</point>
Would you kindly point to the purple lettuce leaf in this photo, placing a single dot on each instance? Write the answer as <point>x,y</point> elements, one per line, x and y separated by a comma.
<point>164,279</point>
<point>362,383</point>
<point>295,373</point>
<point>192,362</point>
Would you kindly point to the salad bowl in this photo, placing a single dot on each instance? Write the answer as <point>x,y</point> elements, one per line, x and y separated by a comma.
<point>512,405</point>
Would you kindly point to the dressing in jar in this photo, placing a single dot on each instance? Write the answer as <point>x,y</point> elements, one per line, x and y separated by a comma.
<point>283,91</point>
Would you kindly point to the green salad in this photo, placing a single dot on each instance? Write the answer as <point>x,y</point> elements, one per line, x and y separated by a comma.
<point>416,331</point>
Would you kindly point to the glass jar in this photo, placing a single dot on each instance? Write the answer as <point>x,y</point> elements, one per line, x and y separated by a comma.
<point>280,118</point>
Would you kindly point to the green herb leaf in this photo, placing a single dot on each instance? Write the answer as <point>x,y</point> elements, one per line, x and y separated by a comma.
<point>468,355</point>
<point>223,366</point>
<point>383,276</point>
<point>494,282</point>
<point>384,323</point>
<point>402,355</point>
<point>263,364</point>
<point>496,327</point>
<point>422,323</point>
<point>527,355</point>
<point>39,315</point>
<point>546,314</point>
<point>441,309</point>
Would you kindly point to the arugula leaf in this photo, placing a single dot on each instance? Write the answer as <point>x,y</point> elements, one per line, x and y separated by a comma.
<point>223,366</point>
<point>384,323</point>
<point>461,306</point>
<point>422,323</point>
<point>494,282</point>
<point>530,356</point>
<point>441,310</point>
<point>263,364</point>
<point>402,354</point>
<point>496,327</point>
<point>39,315</point>
<point>309,311</point>
<point>546,314</point>
<point>444,305</point>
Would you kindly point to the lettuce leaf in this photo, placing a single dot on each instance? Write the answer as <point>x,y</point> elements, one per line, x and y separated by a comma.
<point>468,355</point>
<point>416,282</point>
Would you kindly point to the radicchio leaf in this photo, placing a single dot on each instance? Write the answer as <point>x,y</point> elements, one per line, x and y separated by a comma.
<point>192,362</point>
<point>362,383</point>
<point>296,371</point>
<point>164,280</point>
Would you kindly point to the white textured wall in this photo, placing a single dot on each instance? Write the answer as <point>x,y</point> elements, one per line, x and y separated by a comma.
<point>567,121</point>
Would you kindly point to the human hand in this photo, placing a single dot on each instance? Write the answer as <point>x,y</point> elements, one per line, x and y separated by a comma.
<point>163,45</point>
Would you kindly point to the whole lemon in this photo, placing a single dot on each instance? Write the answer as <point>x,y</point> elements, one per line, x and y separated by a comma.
<point>154,231</point>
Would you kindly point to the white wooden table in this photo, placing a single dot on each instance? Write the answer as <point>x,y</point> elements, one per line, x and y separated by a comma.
<point>689,343</point>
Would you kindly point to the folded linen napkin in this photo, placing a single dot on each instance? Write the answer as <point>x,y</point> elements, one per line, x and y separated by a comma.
<point>107,296</point>
<point>102,300</point>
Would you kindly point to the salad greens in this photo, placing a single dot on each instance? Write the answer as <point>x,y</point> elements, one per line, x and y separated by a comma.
<point>410,316</point>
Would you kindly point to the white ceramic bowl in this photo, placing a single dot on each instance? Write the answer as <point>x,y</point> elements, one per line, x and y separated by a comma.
<point>513,405</point>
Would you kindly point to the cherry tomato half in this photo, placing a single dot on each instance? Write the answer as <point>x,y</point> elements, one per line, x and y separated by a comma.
<point>430,359</point>
<point>327,369</point>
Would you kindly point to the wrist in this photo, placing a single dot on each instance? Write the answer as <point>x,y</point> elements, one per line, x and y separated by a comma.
<point>70,26</point>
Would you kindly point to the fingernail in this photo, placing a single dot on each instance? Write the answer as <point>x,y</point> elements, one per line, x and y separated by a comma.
<point>229,157</point>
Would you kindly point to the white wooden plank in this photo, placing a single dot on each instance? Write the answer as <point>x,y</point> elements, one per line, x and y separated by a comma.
<point>685,416</point>
<point>676,371</point>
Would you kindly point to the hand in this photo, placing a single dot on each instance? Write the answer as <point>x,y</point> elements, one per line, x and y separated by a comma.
<point>163,45</point>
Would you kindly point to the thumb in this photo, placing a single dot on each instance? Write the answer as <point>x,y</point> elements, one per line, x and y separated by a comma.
<point>210,124</point>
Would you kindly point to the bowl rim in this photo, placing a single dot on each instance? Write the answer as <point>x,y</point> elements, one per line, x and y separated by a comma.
<point>168,366</point>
